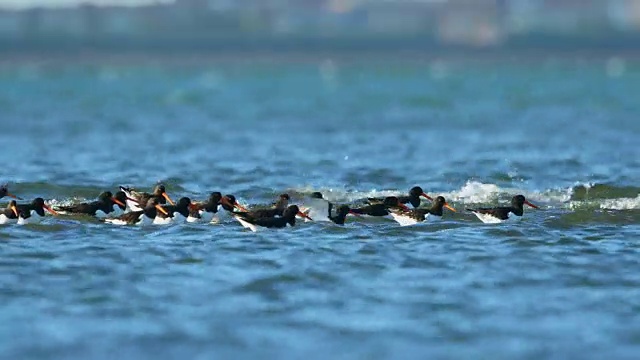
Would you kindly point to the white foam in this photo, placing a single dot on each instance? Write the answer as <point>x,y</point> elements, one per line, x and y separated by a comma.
<point>475,192</point>
<point>621,204</point>
<point>64,202</point>
<point>472,192</point>
<point>317,209</point>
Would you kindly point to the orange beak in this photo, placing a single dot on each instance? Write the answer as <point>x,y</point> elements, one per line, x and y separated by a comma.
<point>426,196</point>
<point>13,196</point>
<point>118,202</point>
<point>164,195</point>
<point>403,207</point>
<point>530,204</point>
<point>240,207</point>
<point>50,210</point>
<point>161,209</point>
<point>15,210</point>
<point>449,207</point>
<point>301,214</point>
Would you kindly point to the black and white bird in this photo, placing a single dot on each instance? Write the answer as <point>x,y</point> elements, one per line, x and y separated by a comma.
<point>137,200</point>
<point>207,211</point>
<point>142,217</point>
<point>503,213</point>
<point>380,209</point>
<point>107,204</point>
<point>34,211</point>
<point>412,199</point>
<point>175,213</point>
<point>255,223</point>
<point>341,214</point>
<point>415,216</point>
<point>10,214</point>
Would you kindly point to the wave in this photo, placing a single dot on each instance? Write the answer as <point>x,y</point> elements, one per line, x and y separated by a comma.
<point>472,192</point>
<point>581,196</point>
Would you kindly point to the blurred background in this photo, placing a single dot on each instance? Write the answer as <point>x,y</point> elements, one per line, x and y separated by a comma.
<point>318,25</point>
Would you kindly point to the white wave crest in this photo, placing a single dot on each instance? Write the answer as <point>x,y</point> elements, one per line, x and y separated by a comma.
<point>472,192</point>
<point>621,203</point>
<point>65,202</point>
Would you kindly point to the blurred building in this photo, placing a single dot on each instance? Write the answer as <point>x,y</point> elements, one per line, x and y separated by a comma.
<point>472,22</point>
<point>401,17</point>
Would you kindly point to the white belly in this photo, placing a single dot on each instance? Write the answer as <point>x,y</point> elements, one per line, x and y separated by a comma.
<point>142,221</point>
<point>115,222</point>
<point>432,218</point>
<point>489,219</point>
<point>403,220</point>
<point>207,217</point>
<point>5,220</point>
<point>178,218</point>
<point>133,205</point>
<point>246,224</point>
<point>33,219</point>
<point>191,219</point>
<point>162,221</point>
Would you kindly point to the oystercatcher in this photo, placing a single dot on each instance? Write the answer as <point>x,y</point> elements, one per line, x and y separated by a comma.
<point>35,210</point>
<point>413,198</point>
<point>106,204</point>
<point>135,200</point>
<point>503,213</point>
<point>4,191</point>
<point>254,223</point>
<point>175,213</point>
<point>145,216</point>
<point>414,216</point>
<point>10,214</point>
<point>381,208</point>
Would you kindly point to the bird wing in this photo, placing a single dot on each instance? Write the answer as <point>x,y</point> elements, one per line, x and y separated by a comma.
<point>131,217</point>
<point>501,213</point>
<point>373,201</point>
<point>84,208</point>
<point>372,210</point>
<point>271,222</point>
<point>266,213</point>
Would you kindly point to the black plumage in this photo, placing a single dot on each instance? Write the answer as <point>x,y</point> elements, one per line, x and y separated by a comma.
<point>105,203</point>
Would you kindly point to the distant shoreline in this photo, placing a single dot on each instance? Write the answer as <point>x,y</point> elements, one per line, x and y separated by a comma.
<point>310,49</point>
<point>372,56</point>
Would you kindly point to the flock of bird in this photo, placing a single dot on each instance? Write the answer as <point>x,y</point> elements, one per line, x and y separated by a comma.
<point>130,207</point>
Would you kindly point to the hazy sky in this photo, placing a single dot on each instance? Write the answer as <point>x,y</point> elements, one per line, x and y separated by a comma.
<point>30,3</point>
